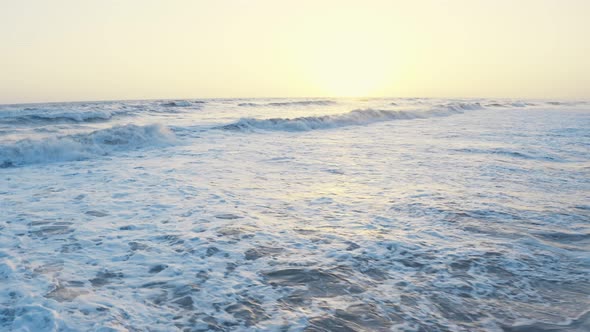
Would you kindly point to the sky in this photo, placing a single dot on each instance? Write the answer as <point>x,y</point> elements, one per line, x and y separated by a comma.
<point>72,50</point>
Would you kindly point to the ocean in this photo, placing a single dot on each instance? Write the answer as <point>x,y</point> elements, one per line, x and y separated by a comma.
<point>401,214</point>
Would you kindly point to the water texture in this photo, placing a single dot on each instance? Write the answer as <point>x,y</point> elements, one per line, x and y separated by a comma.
<point>295,215</point>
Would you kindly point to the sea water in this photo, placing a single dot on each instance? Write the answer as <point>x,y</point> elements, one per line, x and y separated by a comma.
<point>295,215</point>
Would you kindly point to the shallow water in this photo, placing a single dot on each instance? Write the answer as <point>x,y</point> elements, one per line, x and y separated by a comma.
<point>295,215</point>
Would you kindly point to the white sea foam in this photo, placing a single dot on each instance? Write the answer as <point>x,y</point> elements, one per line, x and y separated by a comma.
<point>466,222</point>
<point>7,269</point>
<point>35,318</point>
<point>84,146</point>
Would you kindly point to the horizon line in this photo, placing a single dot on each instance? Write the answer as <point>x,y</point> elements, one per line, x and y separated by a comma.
<point>250,98</point>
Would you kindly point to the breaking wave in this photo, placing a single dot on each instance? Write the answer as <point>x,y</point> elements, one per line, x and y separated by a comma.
<point>291,103</point>
<point>29,115</point>
<point>356,117</point>
<point>84,146</point>
<point>182,103</point>
<point>459,107</point>
<point>94,112</point>
<point>518,104</point>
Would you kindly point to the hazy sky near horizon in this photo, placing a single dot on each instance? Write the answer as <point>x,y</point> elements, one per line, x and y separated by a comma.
<point>62,50</point>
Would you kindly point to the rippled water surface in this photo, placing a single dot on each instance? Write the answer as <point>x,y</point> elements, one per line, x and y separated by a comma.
<point>295,215</point>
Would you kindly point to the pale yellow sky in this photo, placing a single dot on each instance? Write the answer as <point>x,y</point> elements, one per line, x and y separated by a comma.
<point>62,50</point>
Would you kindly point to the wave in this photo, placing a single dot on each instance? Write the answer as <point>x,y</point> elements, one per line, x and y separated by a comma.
<point>356,117</point>
<point>512,154</point>
<point>40,115</point>
<point>462,106</point>
<point>567,103</point>
<point>84,146</point>
<point>291,103</point>
<point>518,104</point>
<point>79,113</point>
<point>182,103</point>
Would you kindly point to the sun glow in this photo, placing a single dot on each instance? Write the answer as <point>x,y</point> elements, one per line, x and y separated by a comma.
<point>347,69</point>
<point>137,49</point>
<point>344,59</point>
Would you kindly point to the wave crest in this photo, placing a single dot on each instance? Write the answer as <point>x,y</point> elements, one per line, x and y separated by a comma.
<point>291,103</point>
<point>533,155</point>
<point>84,146</point>
<point>40,115</point>
<point>182,103</point>
<point>463,106</point>
<point>356,117</point>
